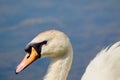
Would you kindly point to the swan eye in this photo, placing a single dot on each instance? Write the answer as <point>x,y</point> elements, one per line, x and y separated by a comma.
<point>36,46</point>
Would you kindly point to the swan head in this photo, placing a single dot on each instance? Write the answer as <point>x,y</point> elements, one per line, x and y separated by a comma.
<point>50,43</point>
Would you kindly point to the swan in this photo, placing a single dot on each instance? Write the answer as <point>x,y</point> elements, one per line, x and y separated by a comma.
<point>56,45</point>
<point>106,65</point>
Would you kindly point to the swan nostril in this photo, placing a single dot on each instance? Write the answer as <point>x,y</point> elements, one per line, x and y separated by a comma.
<point>28,56</point>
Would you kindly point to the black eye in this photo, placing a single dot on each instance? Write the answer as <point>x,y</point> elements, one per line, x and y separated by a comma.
<point>38,46</point>
<point>44,42</point>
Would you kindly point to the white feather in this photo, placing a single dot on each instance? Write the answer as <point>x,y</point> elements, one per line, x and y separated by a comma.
<point>105,66</point>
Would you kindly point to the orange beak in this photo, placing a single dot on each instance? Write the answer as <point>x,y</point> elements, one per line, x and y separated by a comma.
<point>28,59</point>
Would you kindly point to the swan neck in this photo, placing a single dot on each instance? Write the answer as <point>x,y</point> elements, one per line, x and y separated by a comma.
<point>59,67</point>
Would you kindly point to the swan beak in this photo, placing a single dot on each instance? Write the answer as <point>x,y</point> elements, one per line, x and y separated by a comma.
<point>28,59</point>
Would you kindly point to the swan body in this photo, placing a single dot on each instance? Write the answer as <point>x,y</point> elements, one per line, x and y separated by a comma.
<point>105,66</point>
<point>55,44</point>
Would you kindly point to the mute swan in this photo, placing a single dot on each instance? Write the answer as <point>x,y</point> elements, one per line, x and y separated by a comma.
<point>105,66</point>
<point>56,44</point>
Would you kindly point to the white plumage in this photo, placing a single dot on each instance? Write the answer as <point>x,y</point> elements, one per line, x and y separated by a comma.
<point>55,44</point>
<point>106,65</point>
